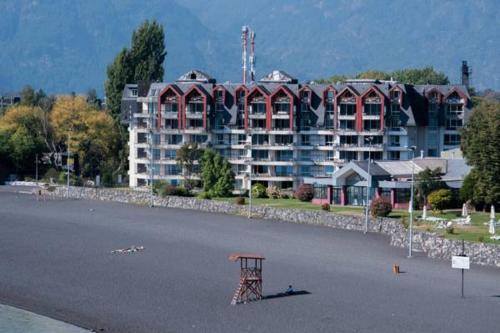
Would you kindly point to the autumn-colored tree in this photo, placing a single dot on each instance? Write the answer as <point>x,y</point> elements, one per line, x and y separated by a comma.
<point>90,133</point>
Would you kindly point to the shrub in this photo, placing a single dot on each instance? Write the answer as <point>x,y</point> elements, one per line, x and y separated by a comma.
<point>326,207</point>
<point>284,196</point>
<point>173,190</point>
<point>258,191</point>
<point>273,192</point>
<point>305,192</point>
<point>205,195</point>
<point>440,199</point>
<point>51,174</point>
<point>158,187</point>
<point>380,207</point>
<point>240,201</point>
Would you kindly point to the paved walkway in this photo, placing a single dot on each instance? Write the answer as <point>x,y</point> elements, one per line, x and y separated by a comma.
<point>13,320</point>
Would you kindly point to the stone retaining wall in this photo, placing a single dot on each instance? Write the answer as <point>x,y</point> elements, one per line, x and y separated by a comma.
<point>433,245</point>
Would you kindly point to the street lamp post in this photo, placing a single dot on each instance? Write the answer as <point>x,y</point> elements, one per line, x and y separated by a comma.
<point>249,161</point>
<point>410,209</point>
<point>67,165</point>
<point>36,169</point>
<point>368,184</point>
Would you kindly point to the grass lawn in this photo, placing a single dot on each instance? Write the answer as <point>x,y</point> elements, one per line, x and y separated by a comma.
<point>477,231</point>
<point>296,204</point>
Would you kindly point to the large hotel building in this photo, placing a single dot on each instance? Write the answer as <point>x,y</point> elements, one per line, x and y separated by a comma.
<point>283,131</point>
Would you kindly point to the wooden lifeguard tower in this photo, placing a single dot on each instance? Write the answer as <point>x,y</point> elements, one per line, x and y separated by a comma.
<point>250,287</point>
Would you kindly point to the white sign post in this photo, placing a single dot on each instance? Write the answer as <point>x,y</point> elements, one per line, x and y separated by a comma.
<point>461,262</point>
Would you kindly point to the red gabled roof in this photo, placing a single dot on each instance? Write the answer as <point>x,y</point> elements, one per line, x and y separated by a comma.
<point>375,89</point>
<point>285,89</point>
<point>348,88</point>
<point>257,89</point>
<point>458,91</point>
<point>198,89</point>
<point>171,87</point>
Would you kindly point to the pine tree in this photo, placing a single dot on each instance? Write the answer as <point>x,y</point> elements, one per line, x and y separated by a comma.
<point>120,72</point>
<point>148,52</point>
<point>142,62</point>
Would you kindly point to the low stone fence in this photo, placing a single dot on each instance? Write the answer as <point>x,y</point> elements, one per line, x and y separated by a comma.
<point>434,245</point>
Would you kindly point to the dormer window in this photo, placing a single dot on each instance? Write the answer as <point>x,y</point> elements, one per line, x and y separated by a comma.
<point>133,92</point>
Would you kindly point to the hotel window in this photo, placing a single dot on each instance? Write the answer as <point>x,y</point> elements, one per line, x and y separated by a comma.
<point>282,107</point>
<point>371,125</point>
<point>453,123</point>
<point>283,139</point>
<point>394,140</point>
<point>260,155</point>
<point>284,155</point>
<point>374,155</point>
<point>329,140</point>
<point>305,140</point>
<point>330,155</point>
<point>305,155</point>
<point>242,139</point>
<point>347,125</point>
<point>305,170</point>
<point>260,139</point>
<point>348,155</point>
<point>241,102</point>
<point>394,155</point>
<point>347,109</point>
<point>372,109</point>
<point>348,140</point>
<point>170,154</point>
<point>171,123</point>
<point>451,139</point>
<point>304,101</point>
<point>258,107</point>
<point>171,107</point>
<point>284,171</point>
<point>198,138</point>
<point>195,107</point>
<point>320,191</point>
<point>156,154</point>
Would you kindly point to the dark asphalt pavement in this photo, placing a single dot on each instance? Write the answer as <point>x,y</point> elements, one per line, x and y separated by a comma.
<point>55,260</point>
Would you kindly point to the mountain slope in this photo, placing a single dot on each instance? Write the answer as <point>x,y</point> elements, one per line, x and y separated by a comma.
<point>63,45</point>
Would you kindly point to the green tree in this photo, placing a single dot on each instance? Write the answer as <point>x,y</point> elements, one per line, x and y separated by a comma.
<point>186,158</point>
<point>426,75</point>
<point>208,171</point>
<point>21,137</point>
<point>143,62</point>
<point>481,148</point>
<point>92,99</point>
<point>374,75</point>
<point>332,79</point>
<point>148,52</point>
<point>441,199</point>
<point>427,181</point>
<point>28,97</point>
<point>120,72</point>
<point>217,174</point>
